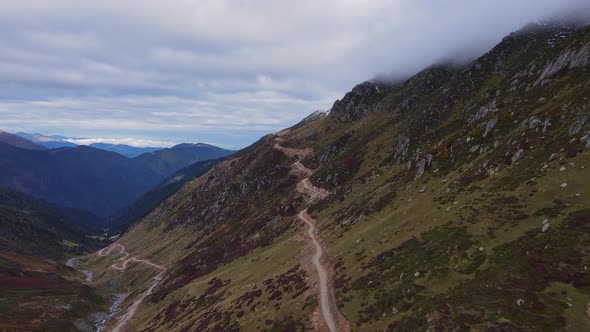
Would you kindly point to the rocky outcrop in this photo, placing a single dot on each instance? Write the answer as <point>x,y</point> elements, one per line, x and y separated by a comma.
<point>358,102</point>
<point>568,59</point>
<point>401,148</point>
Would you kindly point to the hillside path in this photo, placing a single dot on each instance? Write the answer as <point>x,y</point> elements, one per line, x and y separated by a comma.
<point>121,266</point>
<point>329,309</point>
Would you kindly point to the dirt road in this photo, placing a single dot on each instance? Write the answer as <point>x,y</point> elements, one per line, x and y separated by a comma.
<point>121,266</point>
<point>325,296</point>
<point>328,305</point>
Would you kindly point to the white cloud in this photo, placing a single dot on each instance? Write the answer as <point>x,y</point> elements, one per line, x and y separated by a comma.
<point>127,141</point>
<point>221,70</point>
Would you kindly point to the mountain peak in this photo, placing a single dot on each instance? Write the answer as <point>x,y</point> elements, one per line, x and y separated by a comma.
<point>359,101</point>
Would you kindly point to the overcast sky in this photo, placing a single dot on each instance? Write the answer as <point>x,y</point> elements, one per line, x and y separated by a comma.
<point>223,72</point>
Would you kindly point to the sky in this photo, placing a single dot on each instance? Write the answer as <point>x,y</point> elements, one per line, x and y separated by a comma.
<point>147,72</point>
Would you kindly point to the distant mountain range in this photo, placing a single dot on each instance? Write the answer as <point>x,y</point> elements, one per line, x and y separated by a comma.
<point>123,149</point>
<point>18,141</point>
<point>59,141</point>
<point>49,142</point>
<point>92,179</point>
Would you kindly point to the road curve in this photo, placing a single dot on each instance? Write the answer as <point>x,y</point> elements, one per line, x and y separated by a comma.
<point>123,266</point>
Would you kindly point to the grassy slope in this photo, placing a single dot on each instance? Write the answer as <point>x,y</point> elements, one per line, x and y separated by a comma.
<point>453,249</point>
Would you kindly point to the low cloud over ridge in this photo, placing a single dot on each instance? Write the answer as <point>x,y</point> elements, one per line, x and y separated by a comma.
<point>223,71</point>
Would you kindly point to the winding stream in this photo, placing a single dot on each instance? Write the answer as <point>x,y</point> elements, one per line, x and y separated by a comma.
<point>113,309</point>
<point>87,274</point>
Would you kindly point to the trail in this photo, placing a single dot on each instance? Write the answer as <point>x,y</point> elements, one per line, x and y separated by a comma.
<point>121,266</point>
<point>330,312</point>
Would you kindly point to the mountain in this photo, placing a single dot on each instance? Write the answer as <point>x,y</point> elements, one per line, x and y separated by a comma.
<point>170,160</point>
<point>19,142</point>
<point>50,142</point>
<point>81,177</point>
<point>35,239</point>
<point>90,179</point>
<point>456,200</point>
<point>33,227</point>
<point>125,150</point>
<point>150,200</point>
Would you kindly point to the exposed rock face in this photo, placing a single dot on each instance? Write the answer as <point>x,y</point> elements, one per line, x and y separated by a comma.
<point>568,59</point>
<point>401,148</point>
<point>358,102</point>
<point>483,111</point>
<point>518,155</point>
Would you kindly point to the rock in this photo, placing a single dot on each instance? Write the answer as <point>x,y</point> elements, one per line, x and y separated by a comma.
<point>562,169</point>
<point>578,123</point>
<point>518,155</point>
<point>545,228</point>
<point>358,102</point>
<point>417,274</point>
<point>394,311</point>
<point>421,166</point>
<point>519,302</point>
<point>563,185</point>
<point>401,148</point>
<point>490,124</point>
<point>553,156</point>
<point>423,189</point>
<point>531,123</point>
<point>544,221</point>
<point>428,160</point>
<point>483,111</point>
<point>481,248</point>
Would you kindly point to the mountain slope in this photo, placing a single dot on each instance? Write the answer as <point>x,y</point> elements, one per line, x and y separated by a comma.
<point>151,199</point>
<point>170,160</point>
<point>19,142</point>
<point>456,202</point>
<point>37,290</point>
<point>33,227</point>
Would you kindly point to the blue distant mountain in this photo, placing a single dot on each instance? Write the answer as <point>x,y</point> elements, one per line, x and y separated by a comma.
<point>125,150</point>
<point>19,142</point>
<point>50,142</point>
<point>60,141</point>
<point>91,179</point>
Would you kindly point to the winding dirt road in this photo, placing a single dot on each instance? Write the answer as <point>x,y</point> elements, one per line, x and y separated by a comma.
<point>325,296</point>
<point>121,266</point>
<point>329,309</point>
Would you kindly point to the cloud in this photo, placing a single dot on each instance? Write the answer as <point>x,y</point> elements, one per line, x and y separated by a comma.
<point>220,70</point>
<point>126,141</point>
